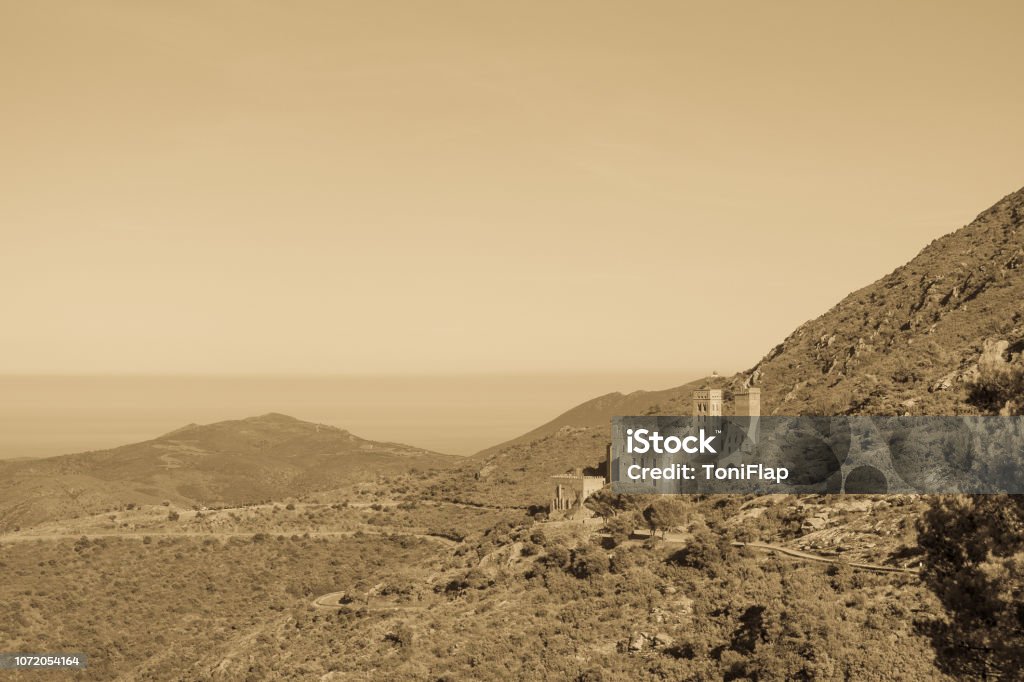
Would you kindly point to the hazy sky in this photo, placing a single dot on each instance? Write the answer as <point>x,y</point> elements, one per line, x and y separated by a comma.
<point>202,186</point>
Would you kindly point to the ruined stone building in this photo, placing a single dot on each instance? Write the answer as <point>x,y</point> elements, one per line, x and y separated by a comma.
<point>736,431</point>
<point>707,403</point>
<point>572,489</point>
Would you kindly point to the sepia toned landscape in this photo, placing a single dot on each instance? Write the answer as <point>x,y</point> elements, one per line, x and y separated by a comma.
<point>273,548</point>
<point>317,318</point>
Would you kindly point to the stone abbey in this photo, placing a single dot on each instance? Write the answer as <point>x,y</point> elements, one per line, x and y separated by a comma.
<point>571,489</point>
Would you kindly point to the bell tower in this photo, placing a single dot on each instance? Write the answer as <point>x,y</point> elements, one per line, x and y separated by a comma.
<point>748,403</point>
<point>707,403</point>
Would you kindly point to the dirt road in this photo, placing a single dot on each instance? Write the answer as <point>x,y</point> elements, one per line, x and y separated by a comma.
<point>54,537</point>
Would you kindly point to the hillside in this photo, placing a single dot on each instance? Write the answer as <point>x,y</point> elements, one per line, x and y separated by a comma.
<point>397,577</point>
<point>232,462</point>
<point>517,472</point>
<point>910,342</point>
<point>600,410</point>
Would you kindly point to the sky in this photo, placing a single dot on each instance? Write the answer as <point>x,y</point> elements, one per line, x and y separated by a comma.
<point>462,187</point>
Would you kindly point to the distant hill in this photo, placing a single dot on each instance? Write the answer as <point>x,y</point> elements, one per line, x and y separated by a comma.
<point>232,462</point>
<point>517,472</point>
<point>907,344</point>
<point>599,411</point>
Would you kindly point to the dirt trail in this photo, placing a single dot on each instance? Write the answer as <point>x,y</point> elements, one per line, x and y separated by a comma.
<point>28,537</point>
<point>683,538</point>
<point>331,602</point>
<point>808,556</point>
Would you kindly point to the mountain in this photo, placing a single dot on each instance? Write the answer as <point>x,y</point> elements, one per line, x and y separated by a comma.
<point>909,343</point>
<point>517,472</point>
<point>599,411</point>
<point>231,462</point>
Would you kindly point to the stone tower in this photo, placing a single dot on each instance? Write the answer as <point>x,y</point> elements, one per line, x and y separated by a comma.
<point>748,403</point>
<point>707,403</point>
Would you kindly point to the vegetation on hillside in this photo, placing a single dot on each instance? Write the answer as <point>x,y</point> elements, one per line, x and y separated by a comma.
<point>208,553</point>
<point>914,341</point>
<point>515,599</point>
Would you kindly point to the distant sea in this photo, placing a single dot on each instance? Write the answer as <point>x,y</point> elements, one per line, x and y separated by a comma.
<point>42,416</point>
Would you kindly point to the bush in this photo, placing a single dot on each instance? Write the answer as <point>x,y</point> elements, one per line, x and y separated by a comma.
<point>173,515</point>
<point>705,552</point>
<point>622,562</point>
<point>972,564</point>
<point>473,579</point>
<point>663,515</point>
<point>449,533</point>
<point>531,549</point>
<point>402,636</point>
<point>557,555</point>
<point>621,527</point>
<point>588,561</point>
<point>999,389</point>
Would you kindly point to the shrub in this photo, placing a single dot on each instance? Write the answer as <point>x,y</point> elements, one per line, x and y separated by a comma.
<point>402,636</point>
<point>588,561</point>
<point>473,579</point>
<point>557,555</point>
<point>621,527</point>
<point>704,552</point>
<point>972,564</point>
<point>531,549</point>
<point>999,389</point>
<point>663,515</point>
<point>449,533</point>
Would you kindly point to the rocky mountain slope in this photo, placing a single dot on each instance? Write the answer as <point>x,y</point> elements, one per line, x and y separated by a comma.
<point>232,462</point>
<point>911,342</point>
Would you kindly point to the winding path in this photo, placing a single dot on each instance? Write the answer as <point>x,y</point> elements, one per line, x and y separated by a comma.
<point>134,535</point>
<point>807,556</point>
<point>681,538</point>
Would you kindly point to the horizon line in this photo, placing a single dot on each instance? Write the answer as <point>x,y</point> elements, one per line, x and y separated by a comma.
<point>389,374</point>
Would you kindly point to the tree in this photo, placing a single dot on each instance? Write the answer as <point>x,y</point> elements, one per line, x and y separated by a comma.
<point>974,563</point>
<point>663,514</point>
<point>974,555</point>
<point>705,551</point>
<point>621,527</point>
<point>606,503</point>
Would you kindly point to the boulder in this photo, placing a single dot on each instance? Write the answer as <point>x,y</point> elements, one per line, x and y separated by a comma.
<point>638,641</point>
<point>662,639</point>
